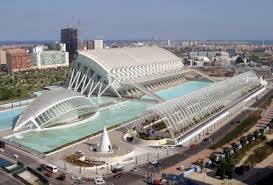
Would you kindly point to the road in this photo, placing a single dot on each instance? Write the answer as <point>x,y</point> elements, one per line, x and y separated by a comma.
<point>186,153</point>
<point>6,179</point>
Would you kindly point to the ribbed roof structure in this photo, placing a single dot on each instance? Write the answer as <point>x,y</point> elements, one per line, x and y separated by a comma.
<point>186,112</point>
<point>118,67</point>
<point>51,105</point>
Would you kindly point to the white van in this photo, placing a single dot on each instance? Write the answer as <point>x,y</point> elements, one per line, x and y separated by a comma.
<point>51,168</point>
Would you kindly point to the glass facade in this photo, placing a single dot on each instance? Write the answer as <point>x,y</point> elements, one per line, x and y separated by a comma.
<point>186,112</point>
<point>65,112</point>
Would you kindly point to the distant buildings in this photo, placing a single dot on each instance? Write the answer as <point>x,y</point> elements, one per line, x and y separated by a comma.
<point>17,59</point>
<point>3,58</point>
<point>94,44</point>
<point>49,59</point>
<point>69,36</point>
<point>169,43</point>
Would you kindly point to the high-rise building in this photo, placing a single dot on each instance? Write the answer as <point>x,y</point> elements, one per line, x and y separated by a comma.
<point>95,44</point>
<point>69,36</point>
<point>3,58</point>
<point>18,59</point>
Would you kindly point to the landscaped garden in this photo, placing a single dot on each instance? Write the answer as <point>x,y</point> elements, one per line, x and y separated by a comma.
<point>243,127</point>
<point>22,84</point>
<point>225,162</point>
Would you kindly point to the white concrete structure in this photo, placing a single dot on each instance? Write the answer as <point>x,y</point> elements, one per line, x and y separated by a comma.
<point>56,107</point>
<point>104,145</point>
<point>116,69</point>
<point>49,59</point>
<point>186,112</point>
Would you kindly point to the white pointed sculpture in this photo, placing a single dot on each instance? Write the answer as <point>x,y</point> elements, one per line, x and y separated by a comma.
<point>105,145</point>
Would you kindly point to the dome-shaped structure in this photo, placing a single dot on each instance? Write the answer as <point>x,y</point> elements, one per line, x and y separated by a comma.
<point>55,108</point>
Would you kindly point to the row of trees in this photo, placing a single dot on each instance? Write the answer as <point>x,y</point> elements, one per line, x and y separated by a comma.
<point>225,163</point>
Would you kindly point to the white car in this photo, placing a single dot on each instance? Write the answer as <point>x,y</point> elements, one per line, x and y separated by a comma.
<point>15,156</point>
<point>76,177</point>
<point>2,150</point>
<point>99,181</point>
<point>154,162</point>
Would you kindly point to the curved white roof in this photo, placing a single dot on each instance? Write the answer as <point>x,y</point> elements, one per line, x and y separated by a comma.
<point>131,56</point>
<point>186,112</point>
<point>45,101</point>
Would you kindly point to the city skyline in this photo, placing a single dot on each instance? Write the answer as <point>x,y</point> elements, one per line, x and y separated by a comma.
<point>122,20</point>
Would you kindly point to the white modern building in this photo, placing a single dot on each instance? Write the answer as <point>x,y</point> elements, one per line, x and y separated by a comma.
<point>55,108</point>
<point>119,71</point>
<point>187,112</point>
<point>49,59</point>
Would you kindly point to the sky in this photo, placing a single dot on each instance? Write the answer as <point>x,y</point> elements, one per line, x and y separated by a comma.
<point>138,19</point>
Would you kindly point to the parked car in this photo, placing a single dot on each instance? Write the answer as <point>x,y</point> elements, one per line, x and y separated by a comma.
<point>76,177</point>
<point>135,169</point>
<point>98,177</point>
<point>117,169</point>
<point>154,162</point>
<point>15,156</point>
<point>48,174</point>
<point>79,182</point>
<point>99,181</point>
<point>2,150</point>
<point>207,140</point>
<point>193,146</point>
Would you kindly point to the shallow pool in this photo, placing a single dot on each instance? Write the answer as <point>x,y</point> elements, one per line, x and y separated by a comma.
<point>180,90</point>
<point>47,140</point>
<point>9,117</point>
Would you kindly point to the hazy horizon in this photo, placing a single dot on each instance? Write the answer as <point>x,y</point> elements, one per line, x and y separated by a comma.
<point>138,20</point>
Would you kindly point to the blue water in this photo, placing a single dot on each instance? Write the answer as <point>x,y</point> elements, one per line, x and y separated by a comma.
<point>9,117</point>
<point>47,140</point>
<point>180,90</point>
